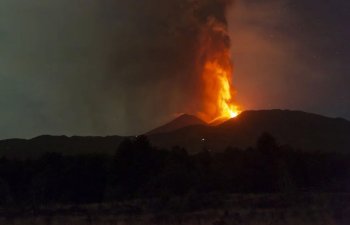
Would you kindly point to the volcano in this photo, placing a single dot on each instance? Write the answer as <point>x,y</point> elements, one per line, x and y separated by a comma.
<point>303,131</point>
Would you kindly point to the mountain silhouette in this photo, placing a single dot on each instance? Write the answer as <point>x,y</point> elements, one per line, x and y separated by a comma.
<point>184,120</point>
<point>303,131</point>
<point>22,148</point>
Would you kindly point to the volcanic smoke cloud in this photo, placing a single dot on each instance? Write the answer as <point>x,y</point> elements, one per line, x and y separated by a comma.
<point>183,61</point>
<point>213,66</point>
<point>202,58</point>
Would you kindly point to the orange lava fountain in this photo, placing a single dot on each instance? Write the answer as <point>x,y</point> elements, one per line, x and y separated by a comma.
<point>216,75</point>
<point>219,93</point>
<point>218,88</point>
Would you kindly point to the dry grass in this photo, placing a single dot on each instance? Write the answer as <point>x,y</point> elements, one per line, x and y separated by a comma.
<point>315,209</point>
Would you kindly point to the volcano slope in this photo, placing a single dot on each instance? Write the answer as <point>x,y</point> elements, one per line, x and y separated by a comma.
<point>184,120</point>
<point>301,130</point>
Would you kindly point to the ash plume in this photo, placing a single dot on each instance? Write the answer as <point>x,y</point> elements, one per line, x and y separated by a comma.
<point>165,66</point>
<point>183,36</point>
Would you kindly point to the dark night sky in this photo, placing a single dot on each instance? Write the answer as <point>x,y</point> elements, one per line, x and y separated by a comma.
<point>99,67</point>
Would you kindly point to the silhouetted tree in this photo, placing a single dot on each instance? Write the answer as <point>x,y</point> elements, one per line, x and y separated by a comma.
<point>176,176</point>
<point>266,144</point>
<point>135,161</point>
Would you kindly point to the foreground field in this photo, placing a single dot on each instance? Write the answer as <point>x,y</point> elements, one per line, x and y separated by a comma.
<point>269,209</point>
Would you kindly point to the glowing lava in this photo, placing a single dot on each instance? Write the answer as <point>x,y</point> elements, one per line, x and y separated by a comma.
<point>215,68</point>
<point>218,92</point>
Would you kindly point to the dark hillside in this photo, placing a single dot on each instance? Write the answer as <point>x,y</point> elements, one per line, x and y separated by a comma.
<point>301,130</point>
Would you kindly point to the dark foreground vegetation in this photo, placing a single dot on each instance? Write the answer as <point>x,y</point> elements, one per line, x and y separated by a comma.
<point>140,178</point>
<point>195,209</point>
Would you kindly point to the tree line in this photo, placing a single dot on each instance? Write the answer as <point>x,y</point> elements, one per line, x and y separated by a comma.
<point>140,170</point>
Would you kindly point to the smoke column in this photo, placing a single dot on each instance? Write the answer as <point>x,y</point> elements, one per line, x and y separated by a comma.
<point>215,66</point>
<point>207,45</point>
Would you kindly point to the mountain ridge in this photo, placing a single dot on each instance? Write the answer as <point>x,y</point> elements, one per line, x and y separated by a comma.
<point>301,130</point>
<point>308,131</point>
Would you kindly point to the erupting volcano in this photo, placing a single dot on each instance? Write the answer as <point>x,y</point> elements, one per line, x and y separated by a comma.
<point>215,66</point>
